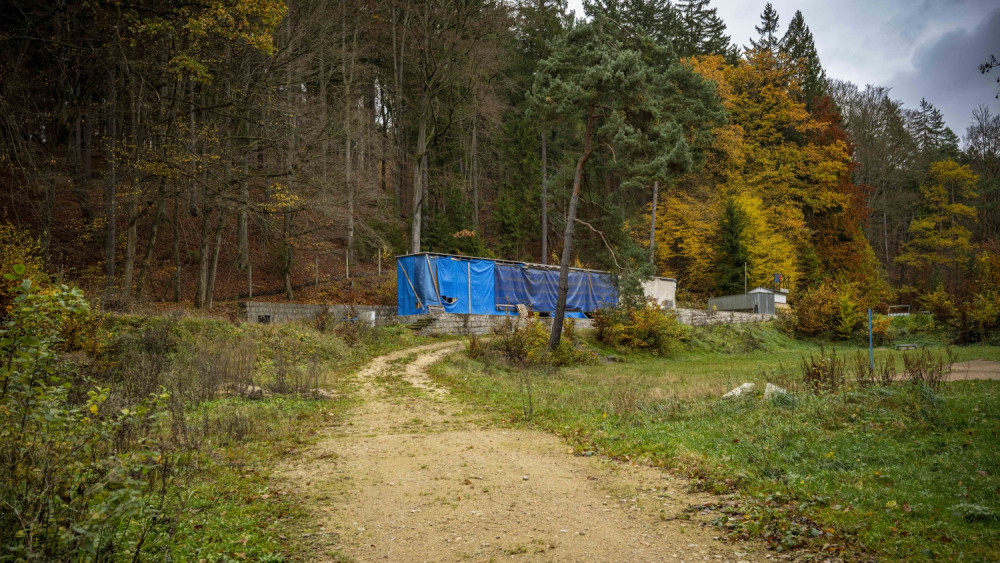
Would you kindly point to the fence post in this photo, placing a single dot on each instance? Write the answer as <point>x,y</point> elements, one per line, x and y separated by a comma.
<point>871,347</point>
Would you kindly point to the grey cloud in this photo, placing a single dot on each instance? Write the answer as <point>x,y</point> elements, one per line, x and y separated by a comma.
<point>944,70</point>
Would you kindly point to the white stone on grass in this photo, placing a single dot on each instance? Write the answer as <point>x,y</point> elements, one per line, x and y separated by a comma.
<point>740,391</point>
<point>771,389</point>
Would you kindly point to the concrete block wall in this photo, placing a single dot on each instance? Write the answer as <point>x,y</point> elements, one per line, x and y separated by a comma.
<point>440,324</point>
<point>701,317</point>
<point>276,313</point>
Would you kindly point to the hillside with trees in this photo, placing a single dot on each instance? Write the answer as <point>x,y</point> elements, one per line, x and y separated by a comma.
<point>197,153</point>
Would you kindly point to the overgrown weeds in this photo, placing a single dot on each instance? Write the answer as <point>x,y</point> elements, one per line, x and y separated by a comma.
<point>523,342</point>
<point>828,372</point>
<point>922,368</point>
<point>103,429</point>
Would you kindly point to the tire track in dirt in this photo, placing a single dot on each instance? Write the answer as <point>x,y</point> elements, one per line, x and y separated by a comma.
<point>415,475</point>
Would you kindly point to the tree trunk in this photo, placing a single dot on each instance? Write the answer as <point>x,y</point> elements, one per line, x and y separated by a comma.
<point>214,265</point>
<point>201,292</point>
<point>474,172</point>
<point>110,187</point>
<point>545,200</point>
<point>567,250</point>
<point>398,50</point>
<point>147,259</point>
<point>286,255</point>
<point>242,220</point>
<point>347,67</point>
<point>418,181</point>
<point>652,223</point>
<point>131,233</point>
<point>47,221</point>
<point>177,249</point>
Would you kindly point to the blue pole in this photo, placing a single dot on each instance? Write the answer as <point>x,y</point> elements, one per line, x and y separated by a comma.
<point>871,348</point>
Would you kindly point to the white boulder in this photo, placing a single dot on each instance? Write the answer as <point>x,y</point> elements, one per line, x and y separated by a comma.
<point>740,391</point>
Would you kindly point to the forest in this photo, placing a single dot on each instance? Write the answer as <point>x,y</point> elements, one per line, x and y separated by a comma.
<point>161,161</point>
<point>197,152</point>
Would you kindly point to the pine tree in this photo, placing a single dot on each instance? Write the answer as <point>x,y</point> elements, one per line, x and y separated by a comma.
<point>634,99</point>
<point>656,19</point>
<point>797,44</point>
<point>702,31</point>
<point>926,124</point>
<point>768,30</point>
<point>731,250</point>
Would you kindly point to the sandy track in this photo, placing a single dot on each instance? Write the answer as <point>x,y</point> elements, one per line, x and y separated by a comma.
<point>974,369</point>
<point>414,475</point>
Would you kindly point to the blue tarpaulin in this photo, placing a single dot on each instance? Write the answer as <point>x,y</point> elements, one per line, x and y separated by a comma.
<point>538,288</point>
<point>459,285</point>
<point>466,285</point>
<point>485,287</point>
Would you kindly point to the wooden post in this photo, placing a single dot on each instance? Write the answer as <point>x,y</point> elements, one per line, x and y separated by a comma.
<point>317,272</point>
<point>871,347</point>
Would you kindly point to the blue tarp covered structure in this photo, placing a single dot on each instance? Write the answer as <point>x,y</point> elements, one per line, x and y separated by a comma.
<point>480,286</point>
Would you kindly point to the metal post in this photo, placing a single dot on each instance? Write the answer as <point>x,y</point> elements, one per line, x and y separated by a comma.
<point>871,348</point>
<point>250,276</point>
<point>744,277</point>
<point>317,272</point>
<point>380,262</point>
<point>347,263</point>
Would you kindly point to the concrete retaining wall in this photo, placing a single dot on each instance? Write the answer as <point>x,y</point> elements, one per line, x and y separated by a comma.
<point>275,313</point>
<point>701,317</point>
<point>439,324</point>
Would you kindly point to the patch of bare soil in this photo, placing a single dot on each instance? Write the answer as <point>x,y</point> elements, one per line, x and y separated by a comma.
<point>975,369</point>
<point>415,475</point>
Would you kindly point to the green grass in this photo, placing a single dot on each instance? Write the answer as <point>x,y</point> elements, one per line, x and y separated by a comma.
<point>228,504</point>
<point>895,473</point>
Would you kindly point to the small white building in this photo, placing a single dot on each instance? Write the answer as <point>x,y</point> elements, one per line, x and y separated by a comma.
<point>780,296</point>
<point>663,290</point>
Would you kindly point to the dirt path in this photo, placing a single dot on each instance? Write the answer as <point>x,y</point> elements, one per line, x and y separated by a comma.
<point>415,475</point>
<point>975,369</point>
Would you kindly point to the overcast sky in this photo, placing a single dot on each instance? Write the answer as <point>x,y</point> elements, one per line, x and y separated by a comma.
<point>919,48</point>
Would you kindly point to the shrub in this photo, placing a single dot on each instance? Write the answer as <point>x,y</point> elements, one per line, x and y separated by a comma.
<point>850,319</point>
<point>816,311</point>
<point>20,249</point>
<point>881,330</point>
<point>647,328</point>
<point>940,304</point>
<point>523,342</point>
<point>76,485</point>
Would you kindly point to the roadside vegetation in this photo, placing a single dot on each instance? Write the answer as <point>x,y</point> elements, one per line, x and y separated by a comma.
<point>848,461</point>
<point>133,437</point>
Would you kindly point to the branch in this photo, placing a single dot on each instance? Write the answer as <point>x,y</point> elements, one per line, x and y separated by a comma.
<point>614,156</point>
<point>606,244</point>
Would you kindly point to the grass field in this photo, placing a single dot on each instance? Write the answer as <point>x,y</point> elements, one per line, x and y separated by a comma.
<point>897,472</point>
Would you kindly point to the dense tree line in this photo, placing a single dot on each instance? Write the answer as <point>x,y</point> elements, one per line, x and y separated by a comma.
<point>168,142</point>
